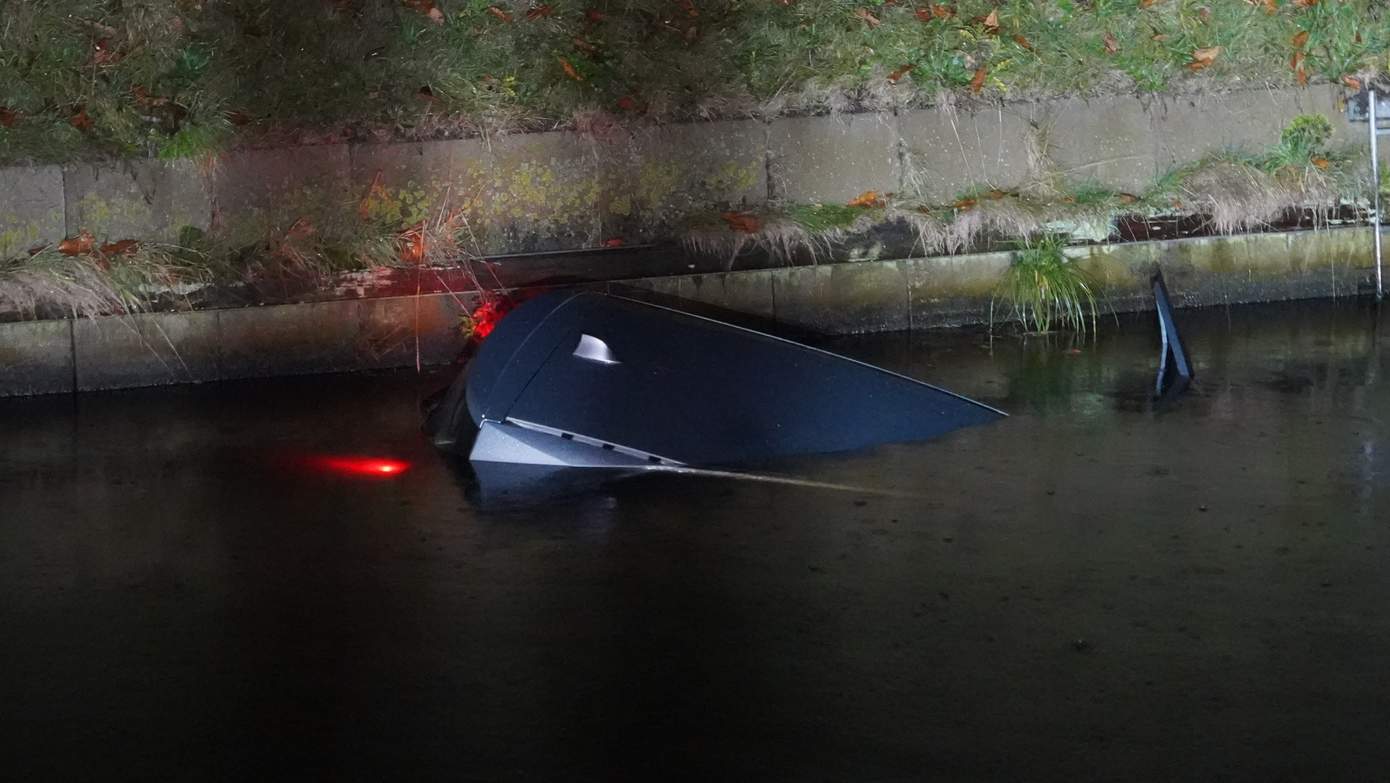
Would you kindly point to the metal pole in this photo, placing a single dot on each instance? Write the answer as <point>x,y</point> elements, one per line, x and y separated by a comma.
<point>1375,186</point>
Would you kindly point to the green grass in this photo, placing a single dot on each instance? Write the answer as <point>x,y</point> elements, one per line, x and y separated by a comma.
<point>180,78</point>
<point>1046,291</point>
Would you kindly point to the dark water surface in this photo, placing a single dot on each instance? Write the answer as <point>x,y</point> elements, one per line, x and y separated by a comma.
<point>1095,588</point>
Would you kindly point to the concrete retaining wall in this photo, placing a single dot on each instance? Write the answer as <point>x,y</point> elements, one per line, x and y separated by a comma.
<point>569,190</point>
<point>164,348</point>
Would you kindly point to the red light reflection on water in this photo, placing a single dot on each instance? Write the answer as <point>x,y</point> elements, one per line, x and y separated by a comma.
<point>362,466</point>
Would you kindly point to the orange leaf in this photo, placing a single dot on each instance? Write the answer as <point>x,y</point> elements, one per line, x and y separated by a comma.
<point>1271,7</point>
<point>1111,45</point>
<point>78,245</point>
<point>1202,58</point>
<point>1302,76</point>
<point>965,204</point>
<point>539,12</point>
<point>81,120</point>
<point>124,247</point>
<point>991,22</point>
<point>570,71</point>
<point>978,83</point>
<point>594,15</point>
<point>923,14</point>
<point>8,117</point>
<point>1321,163</point>
<point>869,19</point>
<point>1300,39</point>
<point>375,192</point>
<point>1352,82</point>
<point>897,75</point>
<point>1296,61</point>
<point>584,46</point>
<point>300,229</point>
<point>614,242</point>
<point>1024,42</point>
<point>868,198</point>
<point>1146,3</point>
<point>499,13</point>
<point>743,222</point>
<point>412,244</point>
<point>941,11</point>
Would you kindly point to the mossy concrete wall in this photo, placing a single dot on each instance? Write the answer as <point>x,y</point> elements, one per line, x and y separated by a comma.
<point>867,296</point>
<point>568,190</point>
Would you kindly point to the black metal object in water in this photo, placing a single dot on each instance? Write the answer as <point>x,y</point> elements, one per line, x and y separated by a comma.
<point>1175,378</point>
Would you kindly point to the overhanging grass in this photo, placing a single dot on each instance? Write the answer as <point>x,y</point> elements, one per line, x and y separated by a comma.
<point>180,78</point>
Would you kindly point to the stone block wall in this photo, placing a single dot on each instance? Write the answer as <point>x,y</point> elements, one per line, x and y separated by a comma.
<point>568,190</point>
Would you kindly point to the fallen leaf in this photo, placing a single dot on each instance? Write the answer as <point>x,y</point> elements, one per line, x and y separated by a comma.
<point>78,245</point>
<point>978,83</point>
<point>1305,3</point>
<point>8,117</point>
<point>435,15</point>
<point>965,204</point>
<point>81,120</point>
<point>1024,42</point>
<point>869,18</point>
<point>614,242</point>
<point>1158,37</point>
<point>991,22</point>
<point>1204,13</point>
<point>923,14</point>
<point>1352,82</point>
<point>743,222</point>
<point>375,192</point>
<point>103,53</point>
<point>627,103</point>
<point>1127,198</point>
<point>1296,61</point>
<point>997,194</point>
<point>868,199</point>
<point>594,15</point>
<point>300,229</point>
<point>689,7</point>
<point>124,247</point>
<point>1302,76</point>
<point>539,12</point>
<point>144,99</point>
<point>1321,163</point>
<point>1146,3</point>
<point>1203,58</point>
<point>1111,45</point>
<point>499,13</point>
<point>1300,39</point>
<point>410,244</point>
<point>1175,204</point>
<point>897,75</point>
<point>237,117</point>
<point>584,46</point>
<point>941,11</point>
<point>570,71</point>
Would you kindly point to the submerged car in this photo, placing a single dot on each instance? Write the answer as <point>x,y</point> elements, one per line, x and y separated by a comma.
<point>582,379</point>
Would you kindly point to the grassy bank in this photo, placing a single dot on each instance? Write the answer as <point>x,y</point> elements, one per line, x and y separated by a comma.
<point>181,78</point>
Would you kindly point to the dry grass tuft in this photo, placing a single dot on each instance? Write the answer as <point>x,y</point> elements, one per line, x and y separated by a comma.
<point>92,285</point>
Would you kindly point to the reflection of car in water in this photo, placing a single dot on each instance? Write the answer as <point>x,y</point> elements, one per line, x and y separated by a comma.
<point>582,379</point>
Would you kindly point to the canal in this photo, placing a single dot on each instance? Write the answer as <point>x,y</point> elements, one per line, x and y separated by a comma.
<point>282,578</point>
